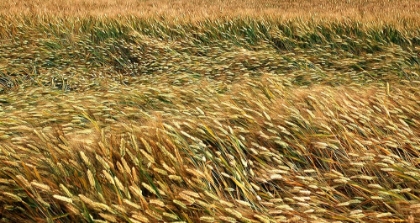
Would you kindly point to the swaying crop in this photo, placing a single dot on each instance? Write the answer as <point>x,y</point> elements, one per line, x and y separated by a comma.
<point>218,119</point>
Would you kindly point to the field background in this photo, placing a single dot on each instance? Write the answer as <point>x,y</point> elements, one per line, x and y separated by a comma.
<point>222,111</point>
<point>374,10</point>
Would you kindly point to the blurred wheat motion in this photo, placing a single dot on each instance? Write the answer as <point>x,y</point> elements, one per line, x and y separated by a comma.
<point>235,111</point>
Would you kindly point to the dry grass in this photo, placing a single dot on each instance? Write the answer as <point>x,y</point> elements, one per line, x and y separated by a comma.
<point>228,119</point>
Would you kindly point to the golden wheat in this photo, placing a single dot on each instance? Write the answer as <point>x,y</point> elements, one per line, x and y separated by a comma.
<point>237,111</point>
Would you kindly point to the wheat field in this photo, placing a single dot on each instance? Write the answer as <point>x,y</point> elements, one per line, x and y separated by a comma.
<point>196,111</point>
<point>362,10</point>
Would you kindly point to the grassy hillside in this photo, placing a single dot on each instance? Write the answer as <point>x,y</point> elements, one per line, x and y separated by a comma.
<point>231,117</point>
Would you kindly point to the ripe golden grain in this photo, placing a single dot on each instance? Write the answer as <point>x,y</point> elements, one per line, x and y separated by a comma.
<point>136,191</point>
<point>91,179</point>
<point>85,158</point>
<point>179,203</point>
<point>14,197</point>
<point>108,217</point>
<point>189,200</point>
<point>41,186</point>
<point>108,177</point>
<point>154,215</point>
<point>140,217</point>
<point>131,204</point>
<point>235,213</point>
<point>157,202</point>
<point>65,190</point>
<point>175,178</point>
<point>120,186</point>
<point>207,219</point>
<point>62,198</point>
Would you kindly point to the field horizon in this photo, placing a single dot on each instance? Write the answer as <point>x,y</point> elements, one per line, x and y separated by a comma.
<point>190,111</point>
<point>359,10</point>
